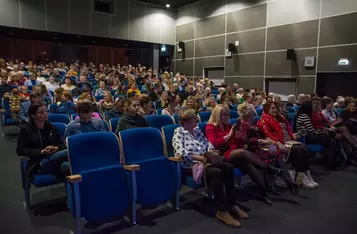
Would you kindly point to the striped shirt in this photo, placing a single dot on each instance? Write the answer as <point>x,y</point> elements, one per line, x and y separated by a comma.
<point>304,125</point>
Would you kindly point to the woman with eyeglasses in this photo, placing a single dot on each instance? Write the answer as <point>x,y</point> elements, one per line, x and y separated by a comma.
<point>39,140</point>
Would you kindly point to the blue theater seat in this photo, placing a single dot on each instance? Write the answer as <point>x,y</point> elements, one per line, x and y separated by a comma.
<point>113,123</point>
<point>158,121</point>
<point>59,118</point>
<point>204,116</point>
<point>233,114</point>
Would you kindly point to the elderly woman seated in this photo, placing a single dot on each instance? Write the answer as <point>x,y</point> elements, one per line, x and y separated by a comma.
<point>190,143</point>
<point>39,140</point>
<point>248,137</point>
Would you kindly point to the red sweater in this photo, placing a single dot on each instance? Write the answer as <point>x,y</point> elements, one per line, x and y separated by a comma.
<point>319,121</point>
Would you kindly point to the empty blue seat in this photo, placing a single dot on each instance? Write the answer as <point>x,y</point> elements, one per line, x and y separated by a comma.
<point>61,128</point>
<point>233,114</point>
<point>204,116</point>
<point>60,118</point>
<point>113,123</point>
<point>159,121</point>
<point>111,196</point>
<point>155,181</point>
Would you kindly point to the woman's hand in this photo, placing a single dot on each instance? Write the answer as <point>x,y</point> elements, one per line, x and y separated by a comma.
<point>264,142</point>
<point>199,158</point>
<point>233,130</point>
<point>293,137</point>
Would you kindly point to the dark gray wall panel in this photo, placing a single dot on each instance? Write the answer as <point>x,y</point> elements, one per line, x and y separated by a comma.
<point>168,26</point>
<point>185,32</point>
<point>277,64</point>
<point>250,41</point>
<point>333,7</point>
<point>9,13</point>
<point>246,82</point>
<point>299,35</point>
<point>306,85</point>
<point>58,16</point>
<point>207,62</point>
<point>80,17</point>
<point>245,65</point>
<point>210,26</point>
<point>209,46</point>
<point>184,67</point>
<point>339,30</point>
<point>253,17</point>
<point>209,8</point>
<point>120,23</point>
<point>137,21</point>
<point>33,14</point>
<point>100,24</point>
<point>188,51</point>
<point>329,57</point>
<point>153,23</point>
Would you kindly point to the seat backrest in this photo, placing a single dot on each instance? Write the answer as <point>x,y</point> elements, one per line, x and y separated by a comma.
<point>167,134</point>
<point>255,119</point>
<point>204,116</point>
<point>202,126</point>
<point>233,114</point>
<point>214,91</point>
<point>61,118</point>
<point>89,151</point>
<point>6,106</point>
<point>259,111</point>
<point>98,98</point>
<point>113,123</point>
<point>141,144</point>
<point>176,118</point>
<point>106,125</point>
<point>233,121</point>
<point>61,128</point>
<point>159,121</point>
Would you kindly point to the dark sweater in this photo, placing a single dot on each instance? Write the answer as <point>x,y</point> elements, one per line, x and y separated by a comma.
<point>128,121</point>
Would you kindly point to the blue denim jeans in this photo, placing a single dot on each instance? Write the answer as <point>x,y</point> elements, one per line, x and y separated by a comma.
<point>56,164</point>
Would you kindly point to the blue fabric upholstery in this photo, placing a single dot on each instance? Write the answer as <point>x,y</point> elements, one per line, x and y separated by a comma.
<point>233,121</point>
<point>255,119</point>
<point>339,110</point>
<point>74,116</point>
<point>233,114</point>
<point>52,107</point>
<point>315,148</point>
<point>158,121</point>
<point>10,122</point>
<point>168,133</point>
<point>291,109</point>
<point>107,199</point>
<point>237,173</point>
<point>291,118</point>
<point>204,116</point>
<point>106,125</point>
<point>159,111</point>
<point>61,128</point>
<point>202,126</point>
<point>214,91</point>
<point>176,118</point>
<point>259,111</point>
<point>296,108</point>
<point>6,116</point>
<point>60,118</point>
<point>85,151</point>
<point>113,124</point>
<point>42,180</point>
<point>98,98</point>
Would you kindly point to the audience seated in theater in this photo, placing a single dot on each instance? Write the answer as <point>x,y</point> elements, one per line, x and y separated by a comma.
<point>24,93</point>
<point>107,103</point>
<point>68,84</point>
<point>85,121</point>
<point>226,100</point>
<point>180,101</point>
<point>340,102</point>
<point>101,89</point>
<point>116,84</point>
<point>276,127</point>
<point>67,106</point>
<point>291,100</point>
<point>163,101</point>
<point>58,95</point>
<point>223,138</point>
<point>199,154</point>
<point>323,137</point>
<point>45,95</point>
<point>240,95</point>
<point>33,80</point>
<point>24,107</point>
<point>118,110</point>
<point>51,84</point>
<point>301,99</point>
<point>210,103</point>
<point>14,102</point>
<point>249,100</point>
<point>248,137</point>
<point>39,140</point>
<point>258,102</point>
<point>85,84</point>
<point>146,106</point>
<point>349,117</point>
<point>171,108</point>
<point>132,118</point>
<point>133,88</point>
<point>154,92</point>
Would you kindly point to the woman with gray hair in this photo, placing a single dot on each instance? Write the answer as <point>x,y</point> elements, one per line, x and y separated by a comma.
<point>291,100</point>
<point>191,144</point>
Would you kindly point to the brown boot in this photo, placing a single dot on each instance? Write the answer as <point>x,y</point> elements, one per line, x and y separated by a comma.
<point>226,218</point>
<point>240,212</point>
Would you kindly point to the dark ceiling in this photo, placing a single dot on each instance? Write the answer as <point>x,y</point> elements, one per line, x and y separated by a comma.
<point>173,3</point>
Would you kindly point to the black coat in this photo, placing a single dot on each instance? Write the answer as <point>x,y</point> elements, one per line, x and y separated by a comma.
<point>29,142</point>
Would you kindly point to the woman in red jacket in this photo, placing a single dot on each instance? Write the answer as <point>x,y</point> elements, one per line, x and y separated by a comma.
<point>223,137</point>
<point>278,129</point>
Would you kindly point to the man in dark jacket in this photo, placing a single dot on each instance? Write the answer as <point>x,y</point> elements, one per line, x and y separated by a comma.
<point>118,111</point>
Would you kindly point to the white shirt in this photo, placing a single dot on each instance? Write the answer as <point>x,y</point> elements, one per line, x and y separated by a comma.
<point>331,116</point>
<point>51,87</point>
<point>67,88</point>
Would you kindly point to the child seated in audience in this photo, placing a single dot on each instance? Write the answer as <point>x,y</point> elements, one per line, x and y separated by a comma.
<point>133,88</point>
<point>14,102</point>
<point>67,105</point>
<point>132,117</point>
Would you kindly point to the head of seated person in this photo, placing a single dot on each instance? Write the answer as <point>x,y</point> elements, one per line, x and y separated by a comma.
<point>188,119</point>
<point>291,100</point>
<point>220,116</point>
<point>85,111</point>
<point>146,105</point>
<point>210,103</point>
<point>245,113</point>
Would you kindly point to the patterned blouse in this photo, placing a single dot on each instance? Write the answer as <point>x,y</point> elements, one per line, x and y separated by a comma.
<point>185,144</point>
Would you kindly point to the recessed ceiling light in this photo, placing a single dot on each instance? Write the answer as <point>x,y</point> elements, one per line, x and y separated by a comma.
<point>167,5</point>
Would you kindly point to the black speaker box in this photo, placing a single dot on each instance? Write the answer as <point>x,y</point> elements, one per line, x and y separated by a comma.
<point>181,45</point>
<point>290,54</point>
<point>232,48</point>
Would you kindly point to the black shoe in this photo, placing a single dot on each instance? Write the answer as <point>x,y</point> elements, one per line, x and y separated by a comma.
<point>266,198</point>
<point>275,171</point>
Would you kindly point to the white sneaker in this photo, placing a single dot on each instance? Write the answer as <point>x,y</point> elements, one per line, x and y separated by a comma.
<point>312,181</point>
<point>306,183</point>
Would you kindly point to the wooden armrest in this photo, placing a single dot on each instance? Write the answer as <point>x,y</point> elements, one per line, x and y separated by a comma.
<point>24,158</point>
<point>74,178</point>
<point>133,167</point>
<point>176,159</point>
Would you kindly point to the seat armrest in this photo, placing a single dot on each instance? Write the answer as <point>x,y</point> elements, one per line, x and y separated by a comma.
<point>133,167</point>
<point>24,158</point>
<point>74,178</point>
<point>176,159</point>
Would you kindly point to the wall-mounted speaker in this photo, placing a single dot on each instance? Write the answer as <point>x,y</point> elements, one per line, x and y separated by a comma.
<point>232,48</point>
<point>290,54</point>
<point>181,47</point>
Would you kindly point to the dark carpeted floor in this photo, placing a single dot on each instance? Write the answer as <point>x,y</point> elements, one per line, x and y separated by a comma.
<point>330,209</point>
